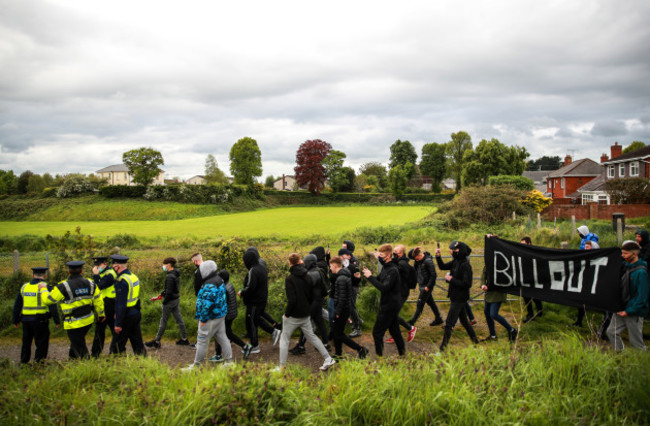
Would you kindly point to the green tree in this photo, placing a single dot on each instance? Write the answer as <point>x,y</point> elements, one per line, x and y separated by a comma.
<point>245,161</point>
<point>213,173</point>
<point>492,158</point>
<point>402,152</point>
<point>398,178</point>
<point>8,182</point>
<point>23,181</point>
<point>375,169</point>
<point>544,163</point>
<point>337,175</point>
<point>48,179</point>
<point>434,164</point>
<point>633,146</point>
<point>36,184</point>
<point>269,181</point>
<point>455,150</point>
<point>143,164</point>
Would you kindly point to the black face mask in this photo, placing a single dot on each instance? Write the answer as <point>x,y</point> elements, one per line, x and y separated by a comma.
<point>381,260</point>
<point>456,255</point>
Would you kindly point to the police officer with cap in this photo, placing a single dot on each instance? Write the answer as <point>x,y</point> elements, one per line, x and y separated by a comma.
<point>104,278</point>
<point>35,317</point>
<point>80,299</point>
<point>127,307</point>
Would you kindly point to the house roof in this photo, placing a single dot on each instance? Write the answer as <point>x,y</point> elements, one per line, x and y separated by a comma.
<point>198,176</point>
<point>285,177</point>
<point>639,154</point>
<point>536,175</point>
<point>114,168</point>
<point>583,167</point>
<point>597,184</point>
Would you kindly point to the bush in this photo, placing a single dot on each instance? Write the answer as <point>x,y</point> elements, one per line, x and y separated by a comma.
<point>628,190</point>
<point>122,191</point>
<point>74,185</point>
<point>537,201</point>
<point>519,182</point>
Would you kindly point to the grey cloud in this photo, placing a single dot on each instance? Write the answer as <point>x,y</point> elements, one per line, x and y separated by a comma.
<point>609,129</point>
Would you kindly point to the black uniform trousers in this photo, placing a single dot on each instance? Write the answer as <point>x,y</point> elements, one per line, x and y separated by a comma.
<point>457,311</point>
<point>39,332</point>
<point>77,337</point>
<point>387,320</point>
<point>253,320</point>
<point>100,329</point>
<point>339,336</point>
<point>130,332</point>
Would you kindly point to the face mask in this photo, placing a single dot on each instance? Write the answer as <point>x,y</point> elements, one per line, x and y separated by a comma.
<point>101,270</point>
<point>346,263</point>
<point>455,255</point>
<point>164,268</point>
<point>381,260</point>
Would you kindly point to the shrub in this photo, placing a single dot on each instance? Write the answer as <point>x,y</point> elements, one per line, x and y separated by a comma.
<point>537,201</point>
<point>628,190</point>
<point>122,191</point>
<point>519,182</point>
<point>74,185</point>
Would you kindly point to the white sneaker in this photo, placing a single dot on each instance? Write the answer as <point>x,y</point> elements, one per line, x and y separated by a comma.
<point>191,367</point>
<point>228,363</point>
<point>327,364</point>
<point>256,349</point>
<point>275,336</point>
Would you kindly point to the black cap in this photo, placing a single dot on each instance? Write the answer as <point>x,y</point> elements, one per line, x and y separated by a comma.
<point>345,251</point>
<point>410,254</point>
<point>75,264</point>
<point>40,269</point>
<point>119,259</point>
<point>100,259</point>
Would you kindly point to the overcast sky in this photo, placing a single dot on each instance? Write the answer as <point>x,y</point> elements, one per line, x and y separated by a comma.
<point>82,81</point>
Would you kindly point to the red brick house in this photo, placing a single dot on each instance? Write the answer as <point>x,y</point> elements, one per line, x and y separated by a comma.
<point>565,181</point>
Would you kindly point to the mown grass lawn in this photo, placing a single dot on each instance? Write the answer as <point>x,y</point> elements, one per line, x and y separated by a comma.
<point>289,221</point>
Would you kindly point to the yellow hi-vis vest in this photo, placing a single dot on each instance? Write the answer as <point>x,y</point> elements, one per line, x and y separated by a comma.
<point>109,292</point>
<point>32,303</point>
<point>77,304</point>
<point>134,289</point>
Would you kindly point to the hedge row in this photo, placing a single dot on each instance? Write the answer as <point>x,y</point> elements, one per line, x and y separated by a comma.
<point>198,194</point>
<point>303,197</point>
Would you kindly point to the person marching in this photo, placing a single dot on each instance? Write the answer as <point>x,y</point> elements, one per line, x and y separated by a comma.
<point>79,297</point>
<point>459,279</point>
<point>127,307</point>
<point>426,273</point>
<point>353,265</point>
<point>231,299</point>
<point>104,279</point>
<point>388,283</point>
<point>407,276</point>
<point>35,317</point>
<point>529,301</point>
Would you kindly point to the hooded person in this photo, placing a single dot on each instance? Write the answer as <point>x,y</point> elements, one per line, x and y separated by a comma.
<point>255,296</point>
<point>353,265</point>
<point>643,240</point>
<point>211,310</point>
<point>426,278</point>
<point>265,315</point>
<point>585,235</point>
<point>319,281</point>
<point>459,280</point>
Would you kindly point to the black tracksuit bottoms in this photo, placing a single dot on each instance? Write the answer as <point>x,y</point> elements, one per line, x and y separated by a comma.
<point>387,320</point>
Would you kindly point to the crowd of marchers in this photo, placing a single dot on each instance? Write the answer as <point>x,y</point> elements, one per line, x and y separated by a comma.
<point>321,301</point>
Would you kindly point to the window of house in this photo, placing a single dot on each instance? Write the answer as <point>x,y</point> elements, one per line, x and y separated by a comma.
<point>611,171</point>
<point>587,198</point>
<point>634,169</point>
<point>602,199</point>
<point>621,170</point>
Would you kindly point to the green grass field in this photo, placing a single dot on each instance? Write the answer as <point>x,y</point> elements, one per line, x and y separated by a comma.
<point>283,222</point>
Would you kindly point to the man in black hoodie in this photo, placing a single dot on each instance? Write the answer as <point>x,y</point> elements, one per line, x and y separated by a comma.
<point>319,280</point>
<point>170,304</point>
<point>353,266</point>
<point>300,295</point>
<point>426,276</point>
<point>265,315</point>
<point>389,284</point>
<point>255,296</point>
<point>459,279</point>
<point>643,240</point>
<point>406,274</point>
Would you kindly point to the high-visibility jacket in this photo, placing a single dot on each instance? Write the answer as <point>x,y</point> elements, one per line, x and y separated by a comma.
<point>134,289</point>
<point>108,292</point>
<point>32,302</point>
<point>127,296</point>
<point>79,297</point>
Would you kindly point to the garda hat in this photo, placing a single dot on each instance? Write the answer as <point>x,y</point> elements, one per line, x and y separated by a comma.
<point>99,260</point>
<point>119,259</point>
<point>40,269</point>
<point>75,264</point>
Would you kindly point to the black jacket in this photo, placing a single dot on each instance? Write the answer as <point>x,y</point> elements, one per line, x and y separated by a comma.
<point>426,272</point>
<point>171,291</point>
<point>318,278</point>
<point>299,289</point>
<point>342,289</point>
<point>256,283</point>
<point>231,296</point>
<point>644,253</point>
<point>198,281</point>
<point>405,270</point>
<point>461,281</point>
<point>389,284</point>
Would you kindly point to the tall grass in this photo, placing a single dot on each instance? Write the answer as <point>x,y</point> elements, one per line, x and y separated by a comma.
<point>556,382</point>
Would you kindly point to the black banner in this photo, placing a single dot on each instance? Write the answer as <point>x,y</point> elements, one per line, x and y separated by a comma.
<point>589,278</point>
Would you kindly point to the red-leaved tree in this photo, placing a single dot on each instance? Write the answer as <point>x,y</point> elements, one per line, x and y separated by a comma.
<point>309,170</point>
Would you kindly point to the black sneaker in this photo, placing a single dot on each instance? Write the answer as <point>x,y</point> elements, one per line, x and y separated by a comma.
<point>363,352</point>
<point>183,342</point>
<point>153,344</point>
<point>297,350</point>
<point>489,339</point>
<point>436,321</point>
<point>512,335</point>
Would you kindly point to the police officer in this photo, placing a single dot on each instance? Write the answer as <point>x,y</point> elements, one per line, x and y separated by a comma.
<point>79,297</point>
<point>127,307</point>
<point>35,317</point>
<point>104,278</point>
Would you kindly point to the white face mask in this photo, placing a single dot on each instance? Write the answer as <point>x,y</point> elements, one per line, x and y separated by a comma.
<point>164,268</point>
<point>346,263</point>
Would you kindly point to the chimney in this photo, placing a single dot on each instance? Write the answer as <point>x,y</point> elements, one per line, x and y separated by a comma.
<point>603,158</point>
<point>617,150</point>
<point>567,160</point>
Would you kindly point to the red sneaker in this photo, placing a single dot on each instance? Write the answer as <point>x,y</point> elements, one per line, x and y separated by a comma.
<point>412,333</point>
<point>390,340</point>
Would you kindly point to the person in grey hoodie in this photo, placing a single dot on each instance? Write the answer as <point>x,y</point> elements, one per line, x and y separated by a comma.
<point>170,304</point>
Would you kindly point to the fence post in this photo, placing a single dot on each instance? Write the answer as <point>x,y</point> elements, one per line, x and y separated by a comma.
<point>539,220</point>
<point>47,260</point>
<point>16,261</point>
<point>619,230</point>
<point>514,216</point>
<point>573,226</point>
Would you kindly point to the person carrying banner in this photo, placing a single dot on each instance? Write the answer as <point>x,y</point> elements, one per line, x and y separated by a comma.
<point>459,279</point>
<point>635,286</point>
<point>527,300</point>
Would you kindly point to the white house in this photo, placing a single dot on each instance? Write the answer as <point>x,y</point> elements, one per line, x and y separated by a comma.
<point>286,183</point>
<point>196,180</point>
<point>118,174</point>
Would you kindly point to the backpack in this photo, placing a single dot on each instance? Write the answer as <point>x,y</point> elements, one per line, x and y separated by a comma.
<point>625,284</point>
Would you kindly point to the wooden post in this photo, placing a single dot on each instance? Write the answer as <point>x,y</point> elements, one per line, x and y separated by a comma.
<point>47,260</point>
<point>619,230</point>
<point>539,220</point>
<point>573,226</point>
<point>16,261</point>
<point>514,216</point>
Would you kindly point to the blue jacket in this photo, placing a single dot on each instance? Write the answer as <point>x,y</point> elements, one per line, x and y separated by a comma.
<point>589,237</point>
<point>637,306</point>
<point>211,302</point>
